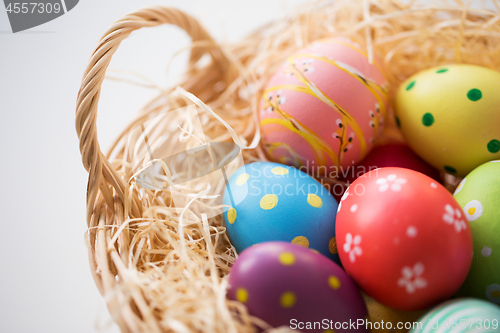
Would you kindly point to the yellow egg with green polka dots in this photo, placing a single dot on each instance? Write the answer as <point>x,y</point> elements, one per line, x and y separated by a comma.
<point>274,202</point>
<point>450,116</point>
<point>479,196</point>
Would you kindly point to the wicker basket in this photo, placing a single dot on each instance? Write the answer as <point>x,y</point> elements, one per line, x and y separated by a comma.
<point>159,276</point>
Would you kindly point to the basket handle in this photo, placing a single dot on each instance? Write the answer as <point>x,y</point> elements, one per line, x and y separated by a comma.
<point>95,162</point>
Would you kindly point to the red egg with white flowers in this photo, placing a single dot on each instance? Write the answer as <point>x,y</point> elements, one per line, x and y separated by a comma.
<point>403,238</point>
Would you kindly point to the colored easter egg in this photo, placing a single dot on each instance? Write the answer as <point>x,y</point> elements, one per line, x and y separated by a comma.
<point>286,284</point>
<point>390,155</point>
<point>403,238</point>
<point>449,116</point>
<point>393,155</point>
<point>479,196</point>
<point>324,107</point>
<point>460,316</point>
<point>384,319</point>
<point>275,202</point>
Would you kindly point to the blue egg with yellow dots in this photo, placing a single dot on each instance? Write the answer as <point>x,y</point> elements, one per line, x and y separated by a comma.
<point>275,202</point>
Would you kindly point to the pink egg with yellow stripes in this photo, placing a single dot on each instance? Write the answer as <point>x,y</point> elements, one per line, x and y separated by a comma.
<point>324,108</point>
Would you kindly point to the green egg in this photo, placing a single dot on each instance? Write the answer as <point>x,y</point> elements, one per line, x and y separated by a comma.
<point>465,315</point>
<point>479,196</point>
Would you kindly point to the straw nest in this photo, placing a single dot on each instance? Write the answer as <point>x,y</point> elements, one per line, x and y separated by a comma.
<point>162,272</point>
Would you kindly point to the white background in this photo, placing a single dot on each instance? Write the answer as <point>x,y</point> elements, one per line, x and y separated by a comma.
<point>45,280</point>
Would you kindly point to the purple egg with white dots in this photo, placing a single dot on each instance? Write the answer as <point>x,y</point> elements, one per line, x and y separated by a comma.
<point>289,285</point>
